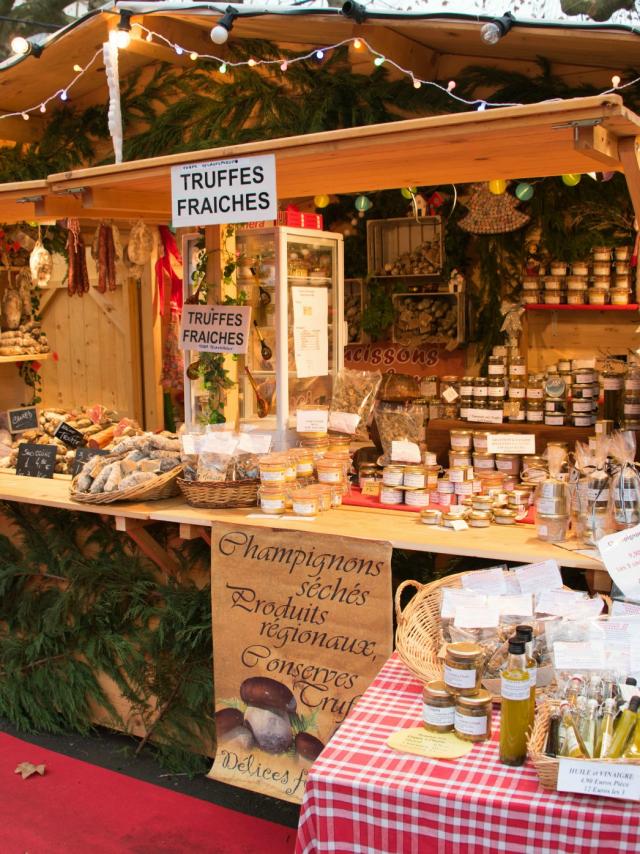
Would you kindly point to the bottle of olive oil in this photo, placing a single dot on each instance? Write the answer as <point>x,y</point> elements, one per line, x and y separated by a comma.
<point>573,745</point>
<point>525,633</point>
<point>605,732</point>
<point>516,701</point>
<point>623,730</point>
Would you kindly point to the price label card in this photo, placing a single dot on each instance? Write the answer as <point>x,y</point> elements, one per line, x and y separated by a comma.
<point>344,422</point>
<point>521,604</point>
<point>436,745</point>
<point>619,609</point>
<point>511,443</point>
<point>477,618</point>
<point>69,435</point>
<point>584,655</point>
<point>450,394</point>
<point>312,420</point>
<point>405,452</point>
<point>621,556</point>
<point>25,418</point>
<point>538,577</point>
<point>254,443</point>
<point>36,460</point>
<point>219,443</point>
<point>604,779</point>
<point>84,454</point>
<point>485,416</point>
<point>453,598</point>
<point>559,603</point>
<point>190,443</point>
<point>486,580</point>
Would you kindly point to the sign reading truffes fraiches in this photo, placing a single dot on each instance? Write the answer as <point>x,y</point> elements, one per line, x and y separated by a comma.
<point>215,328</point>
<point>241,189</point>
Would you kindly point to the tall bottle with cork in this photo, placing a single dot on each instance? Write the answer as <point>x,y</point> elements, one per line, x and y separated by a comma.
<point>525,633</point>
<point>516,701</point>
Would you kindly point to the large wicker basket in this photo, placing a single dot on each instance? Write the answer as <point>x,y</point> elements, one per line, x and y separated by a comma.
<point>218,495</point>
<point>161,486</point>
<point>547,767</point>
<point>418,635</point>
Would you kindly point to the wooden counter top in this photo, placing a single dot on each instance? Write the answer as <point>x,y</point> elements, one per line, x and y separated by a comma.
<point>55,493</point>
<point>403,530</point>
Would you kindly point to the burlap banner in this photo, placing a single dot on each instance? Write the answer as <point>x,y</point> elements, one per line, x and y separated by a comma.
<point>302,623</point>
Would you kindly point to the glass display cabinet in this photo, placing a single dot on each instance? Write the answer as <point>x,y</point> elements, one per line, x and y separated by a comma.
<point>278,267</point>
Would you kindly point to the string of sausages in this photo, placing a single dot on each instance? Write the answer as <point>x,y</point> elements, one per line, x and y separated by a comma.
<point>78,275</point>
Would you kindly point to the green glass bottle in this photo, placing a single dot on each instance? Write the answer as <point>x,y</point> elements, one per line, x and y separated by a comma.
<point>516,701</point>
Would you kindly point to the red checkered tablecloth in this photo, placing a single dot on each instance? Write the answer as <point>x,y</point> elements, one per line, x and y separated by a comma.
<point>362,796</point>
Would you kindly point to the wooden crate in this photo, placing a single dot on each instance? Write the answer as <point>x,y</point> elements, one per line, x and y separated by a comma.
<point>388,240</point>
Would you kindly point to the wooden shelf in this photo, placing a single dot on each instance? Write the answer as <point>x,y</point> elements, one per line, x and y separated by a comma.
<point>28,357</point>
<point>545,307</point>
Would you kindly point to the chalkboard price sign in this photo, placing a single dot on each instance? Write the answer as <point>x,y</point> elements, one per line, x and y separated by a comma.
<point>84,454</point>
<point>36,460</point>
<point>69,435</point>
<point>25,418</point>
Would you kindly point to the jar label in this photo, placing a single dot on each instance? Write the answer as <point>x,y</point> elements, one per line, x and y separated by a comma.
<point>392,478</point>
<point>612,383</point>
<point>546,506</point>
<point>334,476</point>
<point>390,496</point>
<point>462,443</point>
<point>496,392</point>
<point>438,717</point>
<point>483,464</point>
<point>632,384</point>
<point>597,494</point>
<point>416,499</point>
<point>470,725</point>
<point>272,476</point>
<point>272,505</point>
<point>466,390</point>
<point>496,370</point>
<point>414,479</point>
<point>535,393</point>
<point>514,689</point>
<point>305,508</point>
<point>517,392</point>
<point>554,420</point>
<point>632,408</point>
<point>481,391</point>
<point>459,678</point>
<point>628,494</point>
<point>517,370</point>
<point>533,415</point>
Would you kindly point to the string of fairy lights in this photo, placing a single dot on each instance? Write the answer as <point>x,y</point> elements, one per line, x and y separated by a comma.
<point>123,34</point>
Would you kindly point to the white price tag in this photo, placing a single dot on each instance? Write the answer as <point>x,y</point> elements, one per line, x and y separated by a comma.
<point>312,420</point>
<point>604,779</point>
<point>405,452</point>
<point>485,580</point>
<point>486,416</point>
<point>219,443</point>
<point>619,609</point>
<point>578,656</point>
<point>189,442</point>
<point>450,394</point>
<point>474,618</point>
<point>511,443</point>
<point>254,443</point>
<point>453,598</point>
<point>344,422</point>
<point>521,605</point>
<point>538,577</point>
<point>559,603</point>
<point>621,555</point>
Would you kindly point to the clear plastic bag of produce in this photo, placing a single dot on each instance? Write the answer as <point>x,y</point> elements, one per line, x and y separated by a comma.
<point>352,401</point>
<point>398,422</point>
<point>625,486</point>
<point>589,483</point>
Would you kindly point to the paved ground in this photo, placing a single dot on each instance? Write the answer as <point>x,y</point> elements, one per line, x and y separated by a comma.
<point>115,751</point>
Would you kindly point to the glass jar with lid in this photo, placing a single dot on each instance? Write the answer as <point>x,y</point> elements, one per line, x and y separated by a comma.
<point>517,366</point>
<point>496,366</point>
<point>632,378</point>
<point>463,668</point>
<point>438,707</point>
<point>480,388</point>
<point>517,388</point>
<point>472,720</point>
<point>495,387</point>
<point>517,413</point>
<point>449,389</point>
<point>535,387</point>
<point>466,386</point>
<point>466,404</point>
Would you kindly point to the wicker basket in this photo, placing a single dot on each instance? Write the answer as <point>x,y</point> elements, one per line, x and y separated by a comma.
<point>418,636</point>
<point>547,767</point>
<point>212,494</point>
<point>162,486</point>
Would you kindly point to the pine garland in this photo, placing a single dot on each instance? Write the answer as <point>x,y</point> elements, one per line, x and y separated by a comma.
<point>76,601</point>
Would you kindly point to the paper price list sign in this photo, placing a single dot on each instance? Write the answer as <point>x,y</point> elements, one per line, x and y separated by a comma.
<point>621,556</point>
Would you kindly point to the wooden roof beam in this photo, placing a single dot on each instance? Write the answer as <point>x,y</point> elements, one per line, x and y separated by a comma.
<point>407,52</point>
<point>155,204</point>
<point>16,129</point>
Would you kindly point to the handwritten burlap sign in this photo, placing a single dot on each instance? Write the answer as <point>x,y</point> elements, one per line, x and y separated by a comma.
<point>302,623</point>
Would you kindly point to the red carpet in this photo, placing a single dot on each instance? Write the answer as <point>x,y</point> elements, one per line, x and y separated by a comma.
<point>77,808</point>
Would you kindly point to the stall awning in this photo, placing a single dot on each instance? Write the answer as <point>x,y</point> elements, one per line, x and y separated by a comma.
<point>578,135</point>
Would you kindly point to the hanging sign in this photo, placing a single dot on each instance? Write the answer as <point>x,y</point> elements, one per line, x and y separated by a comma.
<point>302,624</point>
<point>215,328</point>
<point>224,191</point>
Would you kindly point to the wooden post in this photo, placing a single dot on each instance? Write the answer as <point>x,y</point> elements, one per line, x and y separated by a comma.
<point>628,150</point>
<point>151,338</point>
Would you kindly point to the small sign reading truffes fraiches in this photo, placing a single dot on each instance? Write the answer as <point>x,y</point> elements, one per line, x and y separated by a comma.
<point>215,328</point>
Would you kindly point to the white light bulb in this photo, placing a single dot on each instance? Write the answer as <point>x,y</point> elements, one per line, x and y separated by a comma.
<point>251,63</point>
<point>451,85</point>
<point>193,55</point>
<point>219,34</point>
<point>482,106</point>
<point>615,81</point>
<point>417,84</point>
<point>20,45</point>
<point>77,68</point>
<point>223,68</point>
<point>43,108</point>
<point>357,44</point>
<point>284,66</point>
<point>149,37</point>
<point>491,33</point>
<point>319,54</point>
<point>122,39</point>
<point>179,50</point>
<point>63,95</point>
<point>25,116</point>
